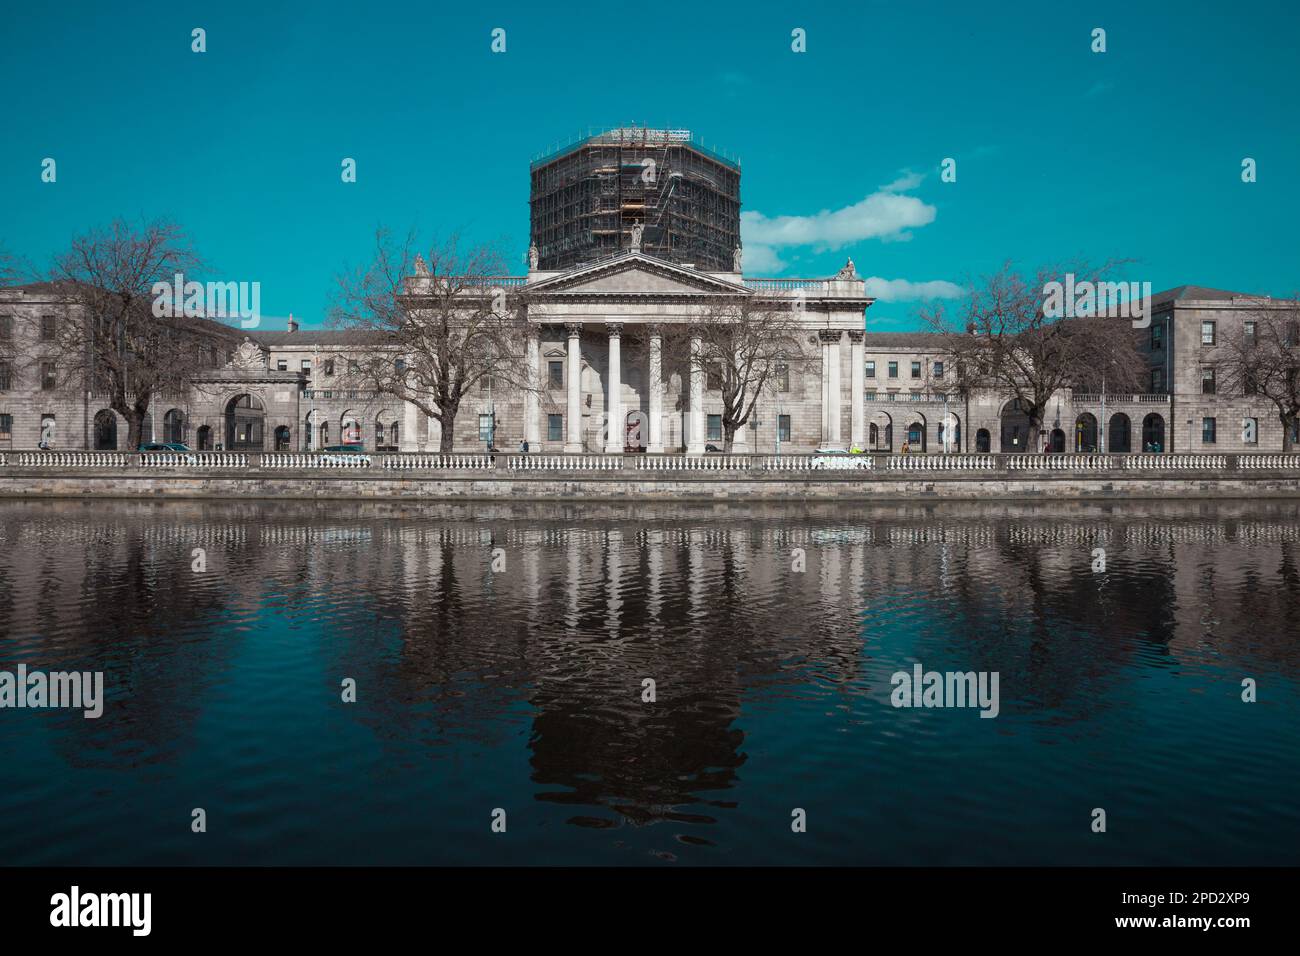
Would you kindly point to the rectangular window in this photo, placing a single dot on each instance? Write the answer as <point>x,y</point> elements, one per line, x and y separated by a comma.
<point>783,427</point>
<point>1207,381</point>
<point>871,370</point>
<point>1207,333</point>
<point>1207,431</point>
<point>555,374</point>
<point>1157,380</point>
<point>306,365</point>
<point>1249,333</point>
<point>485,383</point>
<point>916,370</point>
<point>49,376</point>
<point>893,370</point>
<point>783,378</point>
<point>282,365</point>
<point>555,428</point>
<point>49,328</point>
<point>6,376</point>
<point>715,428</point>
<point>938,370</point>
<point>1250,431</point>
<point>6,327</point>
<point>485,428</point>
<point>1157,337</point>
<point>329,366</point>
<point>6,428</point>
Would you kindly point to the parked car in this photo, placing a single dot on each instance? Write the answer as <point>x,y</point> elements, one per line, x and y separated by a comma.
<point>833,458</point>
<point>166,446</point>
<point>345,455</point>
<point>171,448</point>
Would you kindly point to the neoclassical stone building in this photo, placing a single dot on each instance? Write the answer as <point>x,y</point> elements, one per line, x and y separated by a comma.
<point>606,387</point>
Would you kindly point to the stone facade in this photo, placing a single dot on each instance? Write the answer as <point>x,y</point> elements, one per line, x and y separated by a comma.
<point>597,349</point>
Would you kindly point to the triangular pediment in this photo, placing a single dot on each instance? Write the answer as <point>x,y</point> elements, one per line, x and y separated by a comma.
<point>635,273</point>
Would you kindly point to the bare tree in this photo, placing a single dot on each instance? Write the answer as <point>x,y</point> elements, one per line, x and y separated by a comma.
<point>435,327</point>
<point>748,347</point>
<point>1263,358</point>
<point>1005,339</point>
<point>115,341</point>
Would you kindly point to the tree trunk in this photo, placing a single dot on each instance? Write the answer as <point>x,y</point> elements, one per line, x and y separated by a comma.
<point>134,428</point>
<point>1288,422</point>
<point>728,435</point>
<point>447,434</point>
<point>1034,440</point>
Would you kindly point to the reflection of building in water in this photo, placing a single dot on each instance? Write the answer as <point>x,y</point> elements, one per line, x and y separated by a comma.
<point>593,598</point>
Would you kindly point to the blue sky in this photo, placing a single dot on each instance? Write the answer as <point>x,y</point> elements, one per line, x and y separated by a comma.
<point>1061,152</point>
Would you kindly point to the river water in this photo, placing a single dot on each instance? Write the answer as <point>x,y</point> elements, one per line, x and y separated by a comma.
<point>500,655</point>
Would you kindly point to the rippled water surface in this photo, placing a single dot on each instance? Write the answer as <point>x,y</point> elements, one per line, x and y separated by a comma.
<point>520,687</point>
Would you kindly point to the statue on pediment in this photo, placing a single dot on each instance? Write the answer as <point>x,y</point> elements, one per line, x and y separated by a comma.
<point>637,231</point>
<point>735,260</point>
<point>421,267</point>
<point>848,272</point>
<point>532,256</point>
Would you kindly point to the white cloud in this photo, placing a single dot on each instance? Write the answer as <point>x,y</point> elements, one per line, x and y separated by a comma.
<point>759,259</point>
<point>885,214</point>
<point>903,290</point>
<point>909,180</point>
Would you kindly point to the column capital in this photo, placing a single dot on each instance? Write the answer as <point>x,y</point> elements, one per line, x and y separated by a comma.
<point>856,336</point>
<point>615,329</point>
<point>653,330</point>
<point>574,329</point>
<point>831,336</point>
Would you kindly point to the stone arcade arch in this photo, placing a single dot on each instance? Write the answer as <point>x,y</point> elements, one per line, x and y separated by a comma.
<point>1015,428</point>
<point>245,423</point>
<point>1153,433</point>
<point>1119,436</point>
<point>105,430</point>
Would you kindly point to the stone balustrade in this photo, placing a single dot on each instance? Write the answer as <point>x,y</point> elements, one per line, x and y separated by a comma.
<point>421,462</point>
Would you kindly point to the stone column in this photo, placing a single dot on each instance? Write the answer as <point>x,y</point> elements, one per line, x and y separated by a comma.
<point>823,436</point>
<point>573,384</point>
<point>695,434</point>
<point>655,384</point>
<point>857,401</point>
<point>831,378</point>
<point>615,426</point>
<point>410,439</point>
<point>532,435</point>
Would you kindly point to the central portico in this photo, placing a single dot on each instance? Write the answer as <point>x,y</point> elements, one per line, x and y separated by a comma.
<point>606,322</point>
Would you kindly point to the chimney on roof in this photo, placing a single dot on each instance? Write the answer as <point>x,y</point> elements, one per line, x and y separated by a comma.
<point>292,326</point>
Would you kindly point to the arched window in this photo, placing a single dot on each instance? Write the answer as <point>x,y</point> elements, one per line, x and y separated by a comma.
<point>1153,433</point>
<point>350,433</point>
<point>983,441</point>
<point>1119,439</point>
<point>1085,433</point>
<point>282,438</point>
<point>204,438</point>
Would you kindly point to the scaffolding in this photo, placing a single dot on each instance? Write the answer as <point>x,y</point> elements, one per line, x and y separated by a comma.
<point>587,198</point>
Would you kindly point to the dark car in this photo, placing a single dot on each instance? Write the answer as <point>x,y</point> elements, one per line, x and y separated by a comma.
<point>177,446</point>
<point>345,455</point>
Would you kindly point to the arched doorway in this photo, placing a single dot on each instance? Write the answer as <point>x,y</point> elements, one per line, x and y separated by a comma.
<point>349,429</point>
<point>1153,433</point>
<point>636,431</point>
<point>204,437</point>
<point>105,430</point>
<point>983,441</point>
<point>950,434</point>
<point>386,431</point>
<point>245,423</point>
<point>174,426</point>
<point>881,432</point>
<point>1056,442</point>
<point>1085,433</point>
<point>1015,427</point>
<point>916,435</point>
<point>1119,438</point>
<point>282,438</point>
